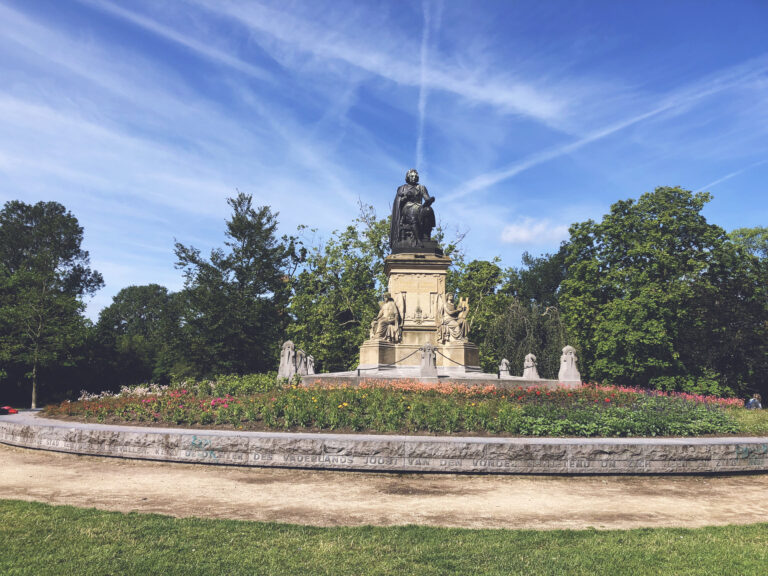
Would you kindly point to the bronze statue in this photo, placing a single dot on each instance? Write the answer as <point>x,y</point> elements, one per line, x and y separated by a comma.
<point>412,216</point>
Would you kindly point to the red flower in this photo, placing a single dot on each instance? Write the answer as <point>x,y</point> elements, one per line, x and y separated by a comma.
<point>607,399</point>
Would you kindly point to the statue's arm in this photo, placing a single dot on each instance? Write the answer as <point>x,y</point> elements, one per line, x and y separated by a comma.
<point>425,195</point>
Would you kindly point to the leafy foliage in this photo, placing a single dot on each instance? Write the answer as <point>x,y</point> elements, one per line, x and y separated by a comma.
<point>655,295</point>
<point>141,333</point>
<point>236,300</point>
<point>336,293</point>
<point>523,328</point>
<point>43,275</point>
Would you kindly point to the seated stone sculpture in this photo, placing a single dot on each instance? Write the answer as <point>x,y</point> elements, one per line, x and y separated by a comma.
<point>504,367</point>
<point>451,320</point>
<point>387,325</point>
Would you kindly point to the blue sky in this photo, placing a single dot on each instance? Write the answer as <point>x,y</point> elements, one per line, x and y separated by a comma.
<point>142,117</point>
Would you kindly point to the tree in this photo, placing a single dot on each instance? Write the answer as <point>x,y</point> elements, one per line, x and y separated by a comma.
<point>479,281</point>
<point>526,327</point>
<point>538,280</point>
<point>45,273</point>
<point>753,240</point>
<point>650,289</point>
<point>336,295</point>
<point>236,300</point>
<point>141,333</point>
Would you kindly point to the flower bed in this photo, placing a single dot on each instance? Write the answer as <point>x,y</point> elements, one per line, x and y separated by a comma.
<point>407,406</point>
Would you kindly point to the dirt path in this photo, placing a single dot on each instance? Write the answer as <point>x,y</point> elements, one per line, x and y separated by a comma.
<point>352,498</point>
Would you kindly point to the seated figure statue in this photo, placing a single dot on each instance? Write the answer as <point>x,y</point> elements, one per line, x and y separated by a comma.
<point>451,320</point>
<point>388,323</point>
<point>412,215</point>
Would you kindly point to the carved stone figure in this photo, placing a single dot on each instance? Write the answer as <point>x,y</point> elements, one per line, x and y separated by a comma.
<point>301,363</point>
<point>388,324</point>
<point>412,216</point>
<point>428,361</point>
<point>293,361</point>
<point>568,371</point>
<point>529,368</point>
<point>287,361</point>
<point>451,320</point>
<point>504,367</point>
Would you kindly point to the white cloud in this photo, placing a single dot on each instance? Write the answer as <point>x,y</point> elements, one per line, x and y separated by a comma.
<point>533,231</point>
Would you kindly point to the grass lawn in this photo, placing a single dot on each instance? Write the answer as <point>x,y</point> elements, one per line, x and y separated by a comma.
<point>38,539</point>
<point>751,422</point>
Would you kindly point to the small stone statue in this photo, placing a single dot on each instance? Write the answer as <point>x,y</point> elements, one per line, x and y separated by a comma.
<point>529,368</point>
<point>293,361</point>
<point>301,362</point>
<point>412,215</point>
<point>388,323</point>
<point>568,371</point>
<point>451,320</point>
<point>428,361</point>
<point>504,367</point>
<point>287,361</point>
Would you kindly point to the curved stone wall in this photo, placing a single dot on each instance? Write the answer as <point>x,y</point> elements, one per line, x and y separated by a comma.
<point>382,453</point>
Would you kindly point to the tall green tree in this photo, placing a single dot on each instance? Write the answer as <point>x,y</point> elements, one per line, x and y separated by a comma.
<point>480,281</point>
<point>538,280</point>
<point>649,290</point>
<point>237,298</point>
<point>336,294</point>
<point>141,334</point>
<point>45,273</point>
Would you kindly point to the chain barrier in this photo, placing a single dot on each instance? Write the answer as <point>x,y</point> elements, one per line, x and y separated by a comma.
<point>389,365</point>
<point>449,359</point>
<point>406,358</point>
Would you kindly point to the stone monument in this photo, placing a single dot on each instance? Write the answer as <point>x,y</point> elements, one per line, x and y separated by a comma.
<point>416,310</point>
<point>293,361</point>
<point>568,371</point>
<point>529,368</point>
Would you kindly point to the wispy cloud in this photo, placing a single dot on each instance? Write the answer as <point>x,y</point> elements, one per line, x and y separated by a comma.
<point>505,92</point>
<point>533,231</point>
<point>423,87</point>
<point>203,48</point>
<point>675,102</point>
<point>731,175</point>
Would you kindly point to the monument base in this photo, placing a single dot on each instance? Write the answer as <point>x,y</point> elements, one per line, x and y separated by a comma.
<point>452,359</point>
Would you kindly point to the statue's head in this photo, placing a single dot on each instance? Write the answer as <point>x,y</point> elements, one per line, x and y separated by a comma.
<point>449,297</point>
<point>412,177</point>
<point>386,297</point>
<point>569,351</point>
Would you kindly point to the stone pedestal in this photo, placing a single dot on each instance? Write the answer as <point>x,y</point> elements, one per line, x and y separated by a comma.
<point>415,282</point>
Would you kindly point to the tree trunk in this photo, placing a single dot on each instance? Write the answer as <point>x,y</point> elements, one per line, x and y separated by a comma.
<point>34,381</point>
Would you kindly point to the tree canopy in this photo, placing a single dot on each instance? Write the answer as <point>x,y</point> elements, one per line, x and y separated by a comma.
<point>654,290</point>
<point>44,273</point>
<point>236,300</point>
